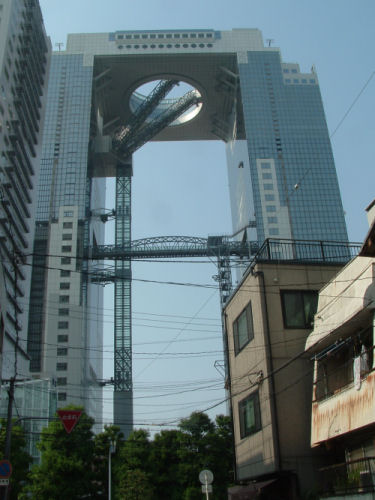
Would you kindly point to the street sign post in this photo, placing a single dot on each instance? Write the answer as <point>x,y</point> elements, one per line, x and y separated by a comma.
<point>5,472</point>
<point>206,488</point>
<point>5,469</point>
<point>69,418</point>
<point>206,477</point>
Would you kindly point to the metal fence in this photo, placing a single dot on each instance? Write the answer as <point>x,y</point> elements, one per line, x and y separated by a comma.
<point>307,251</point>
<point>353,477</point>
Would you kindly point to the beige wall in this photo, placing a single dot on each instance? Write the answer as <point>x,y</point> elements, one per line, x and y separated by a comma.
<point>257,454</point>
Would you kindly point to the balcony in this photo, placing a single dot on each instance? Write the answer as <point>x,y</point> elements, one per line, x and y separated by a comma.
<point>349,408</point>
<point>349,479</point>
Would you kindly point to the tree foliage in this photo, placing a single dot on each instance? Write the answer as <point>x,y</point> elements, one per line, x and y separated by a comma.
<point>75,465</point>
<point>66,468</point>
<point>19,458</point>
<point>172,461</point>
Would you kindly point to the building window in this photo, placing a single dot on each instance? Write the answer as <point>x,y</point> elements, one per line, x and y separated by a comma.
<point>64,286</point>
<point>67,225</point>
<point>62,381</point>
<point>63,325</point>
<point>64,273</point>
<point>61,396</point>
<point>270,208</point>
<point>62,338</point>
<point>64,299</point>
<point>266,175</point>
<point>67,236</point>
<point>61,367</point>
<point>243,330</point>
<point>66,248</point>
<point>272,220</point>
<point>64,311</point>
<point>66,260</point>
<point>62,351</point>
<point>249,415</point>
<point>299,307</point>
<point>68,213</point>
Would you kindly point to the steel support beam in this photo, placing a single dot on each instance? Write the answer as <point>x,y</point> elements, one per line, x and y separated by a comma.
<point>143,112</point>
<point>123,384</point>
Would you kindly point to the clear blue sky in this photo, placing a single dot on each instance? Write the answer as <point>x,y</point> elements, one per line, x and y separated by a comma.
<point>181,189</point>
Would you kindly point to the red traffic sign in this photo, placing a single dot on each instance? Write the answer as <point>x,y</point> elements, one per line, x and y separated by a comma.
<point>69,418</point>
<point>5,469</point>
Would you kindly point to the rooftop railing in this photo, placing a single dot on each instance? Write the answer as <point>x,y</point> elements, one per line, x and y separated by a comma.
<point>311,251</point>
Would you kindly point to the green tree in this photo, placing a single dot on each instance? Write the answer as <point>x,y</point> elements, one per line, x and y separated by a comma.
<point>165,462</point>
<point>132,458</point>
<point>66,468</point>
<point>172,461</point>
<point>19,457</point>
<point>135,485</point>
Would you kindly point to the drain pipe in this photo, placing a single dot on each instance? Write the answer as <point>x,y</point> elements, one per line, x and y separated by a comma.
<point>270,369</point>
<point>229,384</point>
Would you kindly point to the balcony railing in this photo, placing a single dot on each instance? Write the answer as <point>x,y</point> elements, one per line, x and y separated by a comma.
<point>349,478</point>
<point>307,251</point>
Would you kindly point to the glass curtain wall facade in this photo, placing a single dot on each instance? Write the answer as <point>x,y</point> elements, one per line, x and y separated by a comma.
<point>283,177</point>
<point>36,405</point>
<point>65,330</point>
<point>24,59</point>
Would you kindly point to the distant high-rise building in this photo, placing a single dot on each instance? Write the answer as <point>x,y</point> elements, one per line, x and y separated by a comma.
<point>24,57</point>
<point>282,177</point>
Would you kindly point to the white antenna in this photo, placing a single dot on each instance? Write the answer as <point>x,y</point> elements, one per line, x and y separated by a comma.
<point>269,41</point>
<point>59,45</point>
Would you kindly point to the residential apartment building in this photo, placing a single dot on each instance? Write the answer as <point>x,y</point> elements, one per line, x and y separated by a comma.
<point>24,59</point>
<point>267,321</point>
<point>343,402</point>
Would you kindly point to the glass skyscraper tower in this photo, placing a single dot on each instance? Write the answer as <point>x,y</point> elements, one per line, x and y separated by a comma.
<point>282,177</point>
<point>24,61</point>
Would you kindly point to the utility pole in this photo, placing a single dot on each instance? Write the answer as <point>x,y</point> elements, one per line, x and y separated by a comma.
<point>112,449</point>
<point>12,381</point>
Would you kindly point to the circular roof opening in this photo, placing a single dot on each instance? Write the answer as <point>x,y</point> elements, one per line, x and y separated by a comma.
<point>179,93</point>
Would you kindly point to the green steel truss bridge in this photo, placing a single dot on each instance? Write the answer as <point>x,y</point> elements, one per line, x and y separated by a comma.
<point>220,248</point>
<point>174,247</point>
